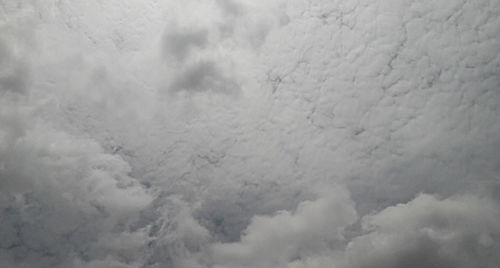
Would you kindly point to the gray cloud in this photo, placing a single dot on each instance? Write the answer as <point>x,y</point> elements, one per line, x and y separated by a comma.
<point>231,7</point>
<point>456,232</point>
<point>201,77</point>
<point>61,196</point>
<point>225,219</point>
<point>179,44</point>
<point>279,239</point>
<point>378,148</point>
<point>63,200</point>
<point>14,75</point>
<point>428,232</point>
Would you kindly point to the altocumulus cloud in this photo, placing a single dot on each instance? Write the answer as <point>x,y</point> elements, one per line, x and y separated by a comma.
<point>249,134</point>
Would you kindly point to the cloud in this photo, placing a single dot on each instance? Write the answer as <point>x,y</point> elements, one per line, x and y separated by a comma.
<point>274,241</point>
<point>179,43</point>
<point>108,262</point>
<point>461,231</point>
<point>226,218</point>
<point>204,76</point>
<point>60,194</point>
<point>389,109</point>
<point>14,74</point>
<point>249,22</point>
<point>231,7</point>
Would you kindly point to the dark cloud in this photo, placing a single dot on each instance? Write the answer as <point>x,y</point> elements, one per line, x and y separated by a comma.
<point>179,44</point>
<point>204,76</point>
<point>14,74</point>
<point>231,7</point>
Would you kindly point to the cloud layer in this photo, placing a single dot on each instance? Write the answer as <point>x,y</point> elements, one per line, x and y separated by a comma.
<point>249,134</point>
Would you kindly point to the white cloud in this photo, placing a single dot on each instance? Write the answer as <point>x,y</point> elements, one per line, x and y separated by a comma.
<point>461,231</point>
<point>274,241</point>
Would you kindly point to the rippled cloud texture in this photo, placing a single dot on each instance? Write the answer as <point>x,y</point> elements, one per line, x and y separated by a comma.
<point>249,134</point>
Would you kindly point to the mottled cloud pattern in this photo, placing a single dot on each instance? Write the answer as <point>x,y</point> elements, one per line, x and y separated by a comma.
<point>249,134</point>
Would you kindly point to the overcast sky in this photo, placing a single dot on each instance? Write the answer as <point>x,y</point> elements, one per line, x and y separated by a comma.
<point>249,134</point>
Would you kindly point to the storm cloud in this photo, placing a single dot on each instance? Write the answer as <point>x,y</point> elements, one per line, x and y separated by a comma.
<point>249,134</point>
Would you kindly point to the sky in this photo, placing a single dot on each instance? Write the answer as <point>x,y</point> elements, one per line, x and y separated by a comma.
<point>249,134</point>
